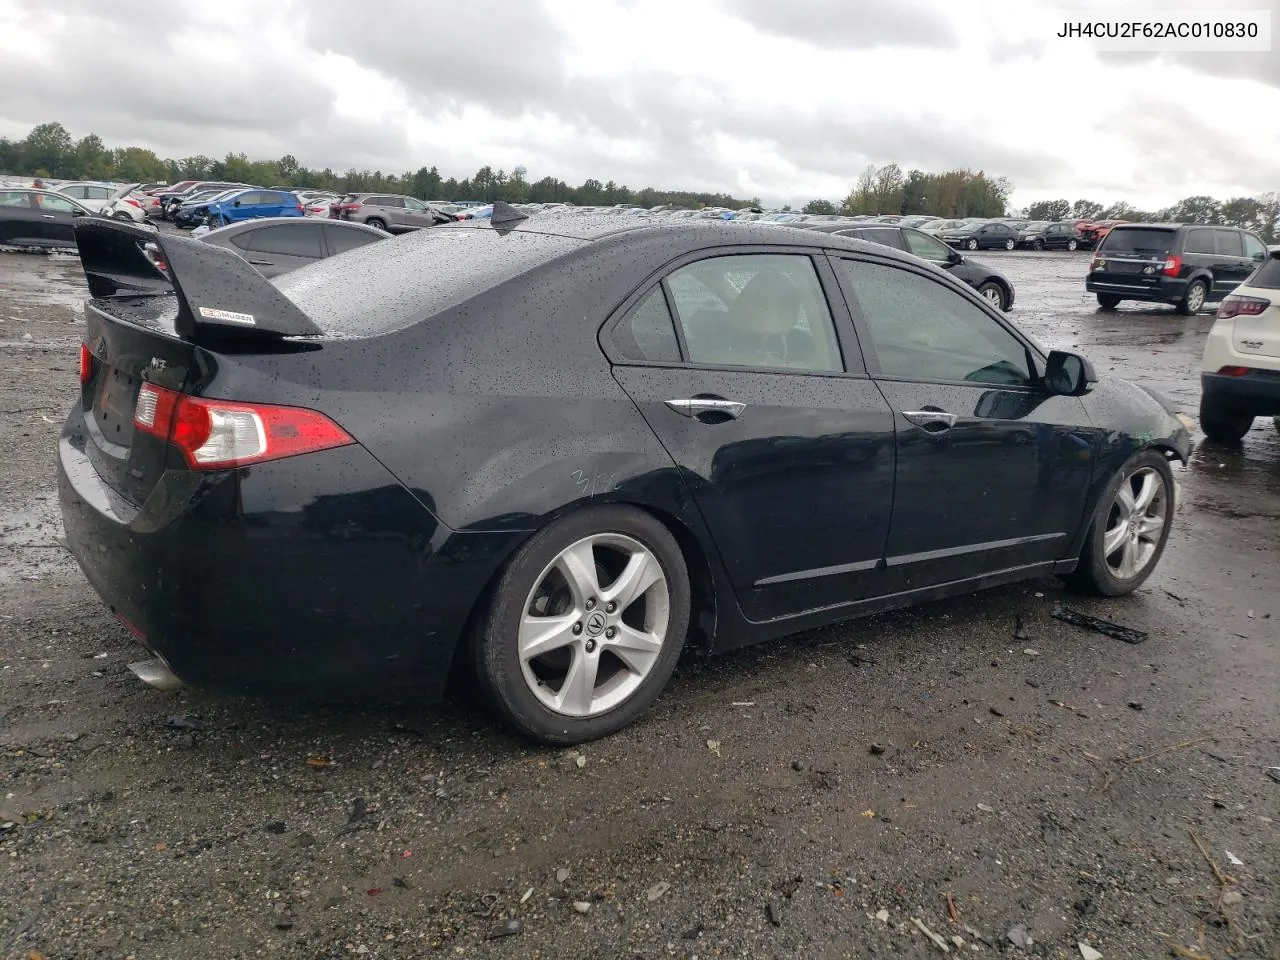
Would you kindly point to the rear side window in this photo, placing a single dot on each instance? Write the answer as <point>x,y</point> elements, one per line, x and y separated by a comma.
<point>1228,243</point>
<point>13,198</point>
<point>1199,241</point>
<point>289,239</point>
<point>649,333</point>
<point>1138,241</point>
<point>340,240</point>
<point>385,287</point>
<point>1267,275</point>
<point>883,235</point>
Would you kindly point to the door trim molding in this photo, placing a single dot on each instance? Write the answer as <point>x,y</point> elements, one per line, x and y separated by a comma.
<point>991,545</point>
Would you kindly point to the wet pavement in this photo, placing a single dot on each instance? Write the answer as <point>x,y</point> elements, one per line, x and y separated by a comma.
<point>813,797</point>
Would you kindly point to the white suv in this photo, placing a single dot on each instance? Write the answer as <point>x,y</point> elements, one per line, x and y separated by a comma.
<point>1240,373</point>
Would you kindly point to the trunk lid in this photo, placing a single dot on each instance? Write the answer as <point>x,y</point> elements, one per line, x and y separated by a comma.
<point>155,302</point>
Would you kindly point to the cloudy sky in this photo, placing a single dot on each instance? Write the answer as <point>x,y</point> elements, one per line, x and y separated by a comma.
<point>782,99</point>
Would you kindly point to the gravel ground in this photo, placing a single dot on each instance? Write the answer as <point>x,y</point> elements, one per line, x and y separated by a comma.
<point>811,798</point>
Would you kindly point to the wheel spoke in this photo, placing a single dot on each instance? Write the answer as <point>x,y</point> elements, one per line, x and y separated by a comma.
<point>578,564</point>
<point>1114,540</point>
<point>1128,560</point>
<point>640,573</point>
<point>1147,489</point>
<point>1125,501</point>
<point>579,687</point>
<point>1150,527</point>
<point>541,635</point>
<point>636,649</point>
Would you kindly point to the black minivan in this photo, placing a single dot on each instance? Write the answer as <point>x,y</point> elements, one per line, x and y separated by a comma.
<point>1187,265</point>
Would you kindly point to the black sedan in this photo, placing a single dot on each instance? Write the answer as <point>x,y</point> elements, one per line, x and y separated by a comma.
<point>557,451</point>
<point>276,245</point>
<point>39,219</point>
<point>989,235</point>
<point>991,284</point>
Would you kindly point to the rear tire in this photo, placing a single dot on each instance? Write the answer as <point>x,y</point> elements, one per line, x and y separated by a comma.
<point>993,293</point>
<point>376,223</point>
<point>1221,424</point>
<point>551,578</point>
<point>1192,301</point>
<point>1130,528</point>
<point>1009,244</point>
<point>1108,301</point>
<point>1072,244</point>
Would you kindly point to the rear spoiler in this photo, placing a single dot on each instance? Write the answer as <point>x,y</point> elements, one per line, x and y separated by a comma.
<point>220,294</point>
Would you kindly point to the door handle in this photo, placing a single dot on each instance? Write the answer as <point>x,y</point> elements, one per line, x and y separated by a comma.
<point>698,406</point>
<point>48,216</point>
<point>931,421</point>
<point>262,263</point>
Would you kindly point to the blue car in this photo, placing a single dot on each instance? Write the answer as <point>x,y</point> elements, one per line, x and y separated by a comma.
<point>252,204</point>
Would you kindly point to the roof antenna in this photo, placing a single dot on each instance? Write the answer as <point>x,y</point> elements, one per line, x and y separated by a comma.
<point>504,213</point>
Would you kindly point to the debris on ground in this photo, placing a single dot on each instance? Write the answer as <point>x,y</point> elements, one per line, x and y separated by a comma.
<point>878,748</point>
<point>937,940</point>
<point>1087,952</point>
<point>1181,745</point>
<point>657,890</point>
<point>1231,898</point>
<point>527,894</point>
<point>773,912</point>
<point>581,906</point>
<point>986,808</point>
<point>1235,861</point>
<point>1031,653</point>
<point>1136,705</point>
<point>319,763</point>
<point>1274,773</point>
<point>562,875</point>
<point>277,827</point>
<point>1099,625</point>
<point>882,915</point>
<point>177,722</point>
<point>1187,954</point>
<point>952,913</point>
<point>996,711</point>
<point>714,746</point>
<point>509,929</point>
<point>1019,936</point>
<point>1020,629</point>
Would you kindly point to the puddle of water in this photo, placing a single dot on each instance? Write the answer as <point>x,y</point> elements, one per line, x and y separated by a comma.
<point>32,283</point>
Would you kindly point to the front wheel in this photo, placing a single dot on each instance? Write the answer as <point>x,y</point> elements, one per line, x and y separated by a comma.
<point>585,625</point>
<point>1129,528</point>
<point>1221,424</point>
<point>971,244</point>
<point>1072,244</point>
<point>1193,300</point>
<point>1008,244</point>
<point>1037,244</point>
<point>216,221</point>
<point>1108,301</point>
<point>993,294</point>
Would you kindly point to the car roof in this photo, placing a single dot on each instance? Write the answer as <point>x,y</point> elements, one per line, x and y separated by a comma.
<point>244,226</point>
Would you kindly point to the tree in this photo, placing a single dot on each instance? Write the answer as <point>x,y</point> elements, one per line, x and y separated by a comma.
<point>136,165</point>
<point>426,183</point>
<point>1086,210</point>
<point>91,159</point>
<point>862,198</point>
<point>289,167</point>
<point>819,207</point>
<point>915,192</point>
<point>1049,210</point>
<point>47,150</point>
<point>888,189</point>
<point>1195,210</point>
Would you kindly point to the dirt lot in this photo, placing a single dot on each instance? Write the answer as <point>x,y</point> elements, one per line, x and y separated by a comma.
<point>809,799</point>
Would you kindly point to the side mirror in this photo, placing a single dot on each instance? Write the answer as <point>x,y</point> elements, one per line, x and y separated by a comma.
<point>77,212</point>
<point>1068,374</point>
<point>235,203</point>
<point>955,256</point>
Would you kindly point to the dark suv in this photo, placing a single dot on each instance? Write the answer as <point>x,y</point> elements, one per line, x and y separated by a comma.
<point>1187,265</point>
<point>1043,235</point>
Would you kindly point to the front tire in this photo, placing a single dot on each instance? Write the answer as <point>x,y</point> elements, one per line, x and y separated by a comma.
<point>1192,301</point>
<point>1221,424</point>
<point>1037,245</point>
<point>993,293</point>
<point>1130,528</point>
<point>971,244</point>
<point>1009,244</point>
<point>216,221</point>
<point>1072,244</point>
<point>585,625</point>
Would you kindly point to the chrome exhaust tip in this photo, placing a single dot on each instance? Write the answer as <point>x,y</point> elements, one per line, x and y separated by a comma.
<point>156,673</point>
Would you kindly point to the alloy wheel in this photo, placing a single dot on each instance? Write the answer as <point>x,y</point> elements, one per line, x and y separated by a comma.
<point>1136,523</point>
<point>594,624</point>
<point>993,295</point>
<point>1195,298</point>
<point>1008,244</point>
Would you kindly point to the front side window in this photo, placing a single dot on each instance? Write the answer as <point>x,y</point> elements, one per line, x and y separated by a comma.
<point>1253,248</point>
<point>61,204</point>
<point>755,310</point>
<point>923,330</point>
<point>923,245</point>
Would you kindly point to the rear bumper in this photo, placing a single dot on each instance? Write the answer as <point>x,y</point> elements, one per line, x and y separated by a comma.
<point>315,575</point>
<point>1257,392</point>
<point>1159,290</point>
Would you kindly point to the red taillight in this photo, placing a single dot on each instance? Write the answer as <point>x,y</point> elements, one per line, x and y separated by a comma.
<point>133,202</point>
<point>1237,306</point>
<point>1233,371</point>
<point>219,434</point>
<point>86,365</point>
<point>1172,267</point>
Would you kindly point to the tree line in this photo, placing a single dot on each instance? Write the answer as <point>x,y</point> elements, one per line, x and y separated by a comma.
<point>49,150</point>
<point>1258,214</point>
<point>953,193</point>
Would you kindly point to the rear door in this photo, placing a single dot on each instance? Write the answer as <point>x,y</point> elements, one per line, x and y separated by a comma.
<point>19,219</point>
<point>734,360</point>
<point>1233,266</point>
<point>340,240</point>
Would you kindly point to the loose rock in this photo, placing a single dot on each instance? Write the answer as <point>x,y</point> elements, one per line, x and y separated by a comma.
<point>657,890</point>
<point>509,929</point>
<point>581,906</point>
<point>1087,952</point>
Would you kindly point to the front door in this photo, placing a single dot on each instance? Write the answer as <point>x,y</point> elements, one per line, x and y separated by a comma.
<point>992,472</point>
<point>56,220</point>
<point>785,444</point>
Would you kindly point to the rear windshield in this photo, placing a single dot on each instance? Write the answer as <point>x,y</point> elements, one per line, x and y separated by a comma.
<point>1267,275</point>
<point>1140,241</point>
<point>387,286</point>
